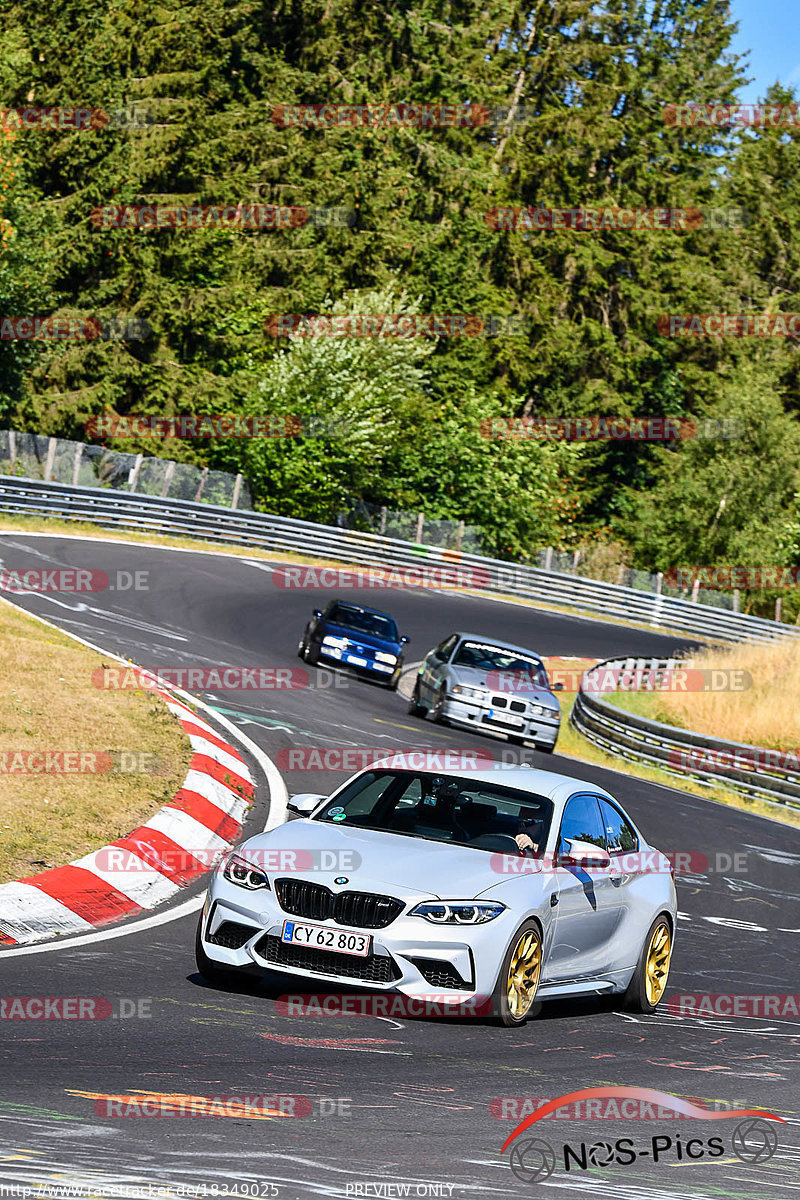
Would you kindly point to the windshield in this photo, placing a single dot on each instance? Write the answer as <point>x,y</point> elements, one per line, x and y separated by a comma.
<point>442,808</point>
<point>495,658</point>
<point>375,624</point>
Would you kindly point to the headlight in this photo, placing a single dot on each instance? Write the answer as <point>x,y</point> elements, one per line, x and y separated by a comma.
<point>381,656</point>
<point>239,871</point>
<point>334,641</point>
<point>458,912</point>
<point>462,690</point>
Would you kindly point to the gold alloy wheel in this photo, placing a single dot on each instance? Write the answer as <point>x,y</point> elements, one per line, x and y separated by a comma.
<point>659,953</point>
<point>523,973</point>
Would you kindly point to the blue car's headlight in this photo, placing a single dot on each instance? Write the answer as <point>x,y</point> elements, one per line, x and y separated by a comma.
<point>458,912</point>
<point>330,640</point>
<point>239,871</point>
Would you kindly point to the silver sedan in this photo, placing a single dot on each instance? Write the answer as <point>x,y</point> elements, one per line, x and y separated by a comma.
<point>439,896</point>
<point>490,687</point>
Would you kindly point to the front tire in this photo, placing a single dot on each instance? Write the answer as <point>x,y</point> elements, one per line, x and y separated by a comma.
<point>649,981</point>
<point>415,709</point>
<point>515,991</point>
<point>212,972</point>
<point>437,712</point>
<point>311,654</point>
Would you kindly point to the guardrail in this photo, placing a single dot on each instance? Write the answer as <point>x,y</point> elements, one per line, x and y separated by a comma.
<point>680,752</point>
<point>448,568</point>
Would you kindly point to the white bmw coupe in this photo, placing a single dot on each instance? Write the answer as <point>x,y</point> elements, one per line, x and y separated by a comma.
<point>506,883</point>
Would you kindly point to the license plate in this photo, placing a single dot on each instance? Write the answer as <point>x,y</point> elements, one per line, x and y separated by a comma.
<point>355,660</point>
<point>341,941</point>
<point>506,719</point>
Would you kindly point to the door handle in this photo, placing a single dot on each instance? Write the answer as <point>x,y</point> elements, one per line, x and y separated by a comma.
<point>553,899</point>
<point>616,880</point>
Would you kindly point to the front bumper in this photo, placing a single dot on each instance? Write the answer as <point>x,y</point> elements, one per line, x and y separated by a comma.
<point>410,955</point>
<point>484,716</point>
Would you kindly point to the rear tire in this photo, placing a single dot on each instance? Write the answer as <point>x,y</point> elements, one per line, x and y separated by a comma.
<point>514,993</point>
<point>649,981</point>
<point>437,712</point>
<point>415,709</point>
<point>212,972</point>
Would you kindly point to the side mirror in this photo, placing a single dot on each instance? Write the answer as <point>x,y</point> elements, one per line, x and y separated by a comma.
<point>404,639</point>
<point>305,802</point>
<point>317,613</point>
<point>556,687</point>
<point>585,854</point>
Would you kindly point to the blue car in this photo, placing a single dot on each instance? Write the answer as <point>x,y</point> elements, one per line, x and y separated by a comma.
<point>353,636</point>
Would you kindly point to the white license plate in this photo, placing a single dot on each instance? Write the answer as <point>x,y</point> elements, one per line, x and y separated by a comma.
<point>506,719</point>
<point>355,660</point>
<point>320,937</point>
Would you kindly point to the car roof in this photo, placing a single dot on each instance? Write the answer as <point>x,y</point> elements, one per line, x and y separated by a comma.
<point>378,612</point>
<point>557,788</point>
<point>501,645</point>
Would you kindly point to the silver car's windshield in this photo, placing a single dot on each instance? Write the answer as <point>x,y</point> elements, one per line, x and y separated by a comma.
<point>441,808</point>
<point>495,658</point>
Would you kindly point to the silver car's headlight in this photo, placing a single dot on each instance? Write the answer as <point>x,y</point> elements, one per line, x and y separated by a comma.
<point>239,871</point>
<point>381,656</point>
<point>458,912</point>
<point>462,690</point>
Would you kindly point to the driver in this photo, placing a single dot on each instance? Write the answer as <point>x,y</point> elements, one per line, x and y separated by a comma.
<point>530,834</point>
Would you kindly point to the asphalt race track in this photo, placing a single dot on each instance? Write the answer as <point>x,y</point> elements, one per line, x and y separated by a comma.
<point>408,1101</point>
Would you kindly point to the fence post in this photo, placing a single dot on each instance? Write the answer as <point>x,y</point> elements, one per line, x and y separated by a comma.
<point>620,574</point>
<point>659,582</point>
<point>50,461</point>
<point>382,529</point>
<point>575,558</point>
<point>420,523</point>
<point>133,481</point>
<point>237,490</point>
<point>695,589</point>
<point>778,606</point>
<point>12,449</point>
<point>76,463</point>
<point>548,559</point>
<point>459,534</point>
<point>170,471</point>
<point>201,485</point>
<point>736,599</point>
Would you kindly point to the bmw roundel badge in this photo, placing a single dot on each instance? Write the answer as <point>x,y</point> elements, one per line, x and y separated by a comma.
<point>341,879</point>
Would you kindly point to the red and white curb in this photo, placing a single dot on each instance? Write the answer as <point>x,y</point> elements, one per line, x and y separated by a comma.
<point>205,817</point>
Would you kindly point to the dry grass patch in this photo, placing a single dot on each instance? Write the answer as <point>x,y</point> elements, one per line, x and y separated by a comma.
<point>49,704</point>
<point>764,712</point>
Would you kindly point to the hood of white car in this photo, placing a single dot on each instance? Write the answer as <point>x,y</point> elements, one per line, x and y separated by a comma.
<point>374,861</point>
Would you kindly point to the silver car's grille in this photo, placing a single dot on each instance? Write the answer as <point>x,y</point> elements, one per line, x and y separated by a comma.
<point>364,910</point>
<point>515,706</point>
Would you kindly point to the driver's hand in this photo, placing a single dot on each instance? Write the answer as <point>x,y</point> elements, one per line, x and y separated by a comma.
<point>524,842</point>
